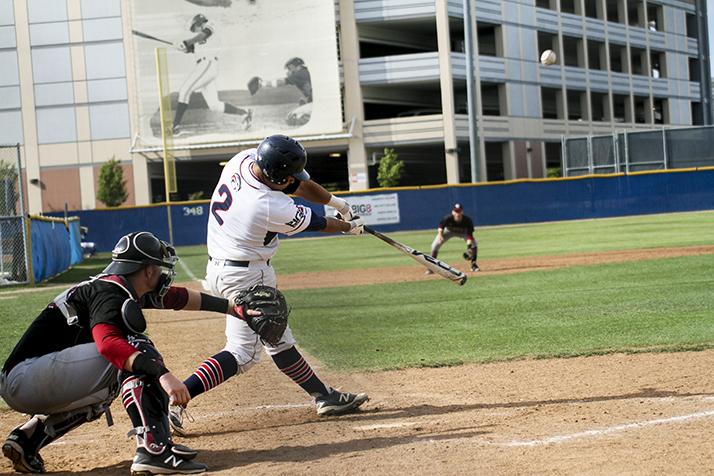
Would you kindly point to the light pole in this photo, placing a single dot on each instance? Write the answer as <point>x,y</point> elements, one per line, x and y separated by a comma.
<point>470,96</point>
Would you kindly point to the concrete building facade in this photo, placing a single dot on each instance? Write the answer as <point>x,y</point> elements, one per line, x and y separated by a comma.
<point>67,90</point>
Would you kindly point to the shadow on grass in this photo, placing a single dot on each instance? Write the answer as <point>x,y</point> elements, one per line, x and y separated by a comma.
<point>80,272</point>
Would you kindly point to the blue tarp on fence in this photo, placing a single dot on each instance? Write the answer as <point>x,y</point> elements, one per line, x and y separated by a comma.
<point>51,252</point>
<point>487,204</point>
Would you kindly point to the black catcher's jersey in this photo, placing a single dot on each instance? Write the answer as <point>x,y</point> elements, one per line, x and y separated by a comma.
<point>68,320</point>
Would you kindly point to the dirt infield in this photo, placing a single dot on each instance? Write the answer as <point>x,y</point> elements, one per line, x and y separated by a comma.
<point>615,414</point>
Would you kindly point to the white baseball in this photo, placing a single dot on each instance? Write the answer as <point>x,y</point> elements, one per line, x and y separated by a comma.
<point>548,57</point>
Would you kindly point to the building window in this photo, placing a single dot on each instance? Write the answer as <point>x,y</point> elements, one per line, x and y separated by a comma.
<point>104,60</point>
<point>109,121</point>
<point>637,61</point>
<point>53,94</point>
<point>52,64</point>
<point>9,75</point>
<point>596,55</point>
<point>655,17</point>
<point>101,8</point>
<point>49,33</point>
<point>660,113</point>
<point>489,40</point>
<point>697,116</point>
<point>694,69</point>
<point>7,13</point>
<point>591,10</point>
<point>56,124</point>
<point>635,13</point>
<point>620,106</point>
<point>658,63</point>
<point>492,99</point>
<point>41,11</point>
<point>567,6</point>
<point>495,169</point>
<point>102,29</point>
<point>641,109</point>
<point>615,14</point>
<point>572,49</point>
<point>577,105</point>
<point>548,41</point>
<point>7,37</point>
<point>551,103</point>
<point>549,4</point>
<point>692,27</point>
<point>599,103</point>
<point>10,127</point>
<point>617,53</point>
<point>106,90</point>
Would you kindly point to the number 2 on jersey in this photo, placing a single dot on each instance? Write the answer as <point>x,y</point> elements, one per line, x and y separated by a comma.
<point>222,206</point>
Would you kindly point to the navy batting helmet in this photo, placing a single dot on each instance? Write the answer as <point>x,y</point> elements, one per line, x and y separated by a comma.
<point>136,250</point>
<point>280,157</point>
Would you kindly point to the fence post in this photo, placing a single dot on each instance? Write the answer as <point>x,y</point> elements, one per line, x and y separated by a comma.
<point>616,153</point>
<point>24,220</point>
<point>664,149</point>
<point>627,153</point>
<point>589,142</point>
<point>564,155</point>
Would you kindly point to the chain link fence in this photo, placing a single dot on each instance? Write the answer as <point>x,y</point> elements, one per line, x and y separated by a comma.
<point>14,267</point>
<point>636,151</point>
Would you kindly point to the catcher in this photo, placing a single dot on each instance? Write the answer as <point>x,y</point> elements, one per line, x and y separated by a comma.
<point>88,344</point>
<point>457,224</point>
<point>296,74</point>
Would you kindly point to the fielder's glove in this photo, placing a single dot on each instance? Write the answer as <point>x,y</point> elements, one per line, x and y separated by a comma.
<point>273,319</point>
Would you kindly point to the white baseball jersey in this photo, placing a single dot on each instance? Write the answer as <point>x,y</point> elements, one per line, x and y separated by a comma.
<point>246,215</point>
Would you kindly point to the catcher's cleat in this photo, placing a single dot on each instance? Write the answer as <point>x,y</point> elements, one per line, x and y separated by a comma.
<point>183,451</point>
<point>165,463</point>
<point>17,449</point>
<point>177,414</point>
<point>474,267</point>
<point>338,403</point>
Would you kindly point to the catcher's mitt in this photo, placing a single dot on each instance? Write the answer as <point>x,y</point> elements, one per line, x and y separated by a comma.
<point>254,84</point>
<point>271,303</point>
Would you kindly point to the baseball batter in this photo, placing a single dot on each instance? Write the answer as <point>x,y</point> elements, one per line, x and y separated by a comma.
<point>203,76</point>
<point>457,224</point>
<point>249,208</point>
<point>88,345</point>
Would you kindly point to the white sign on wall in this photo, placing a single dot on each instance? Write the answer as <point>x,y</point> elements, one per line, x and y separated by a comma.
<point>374,209</point>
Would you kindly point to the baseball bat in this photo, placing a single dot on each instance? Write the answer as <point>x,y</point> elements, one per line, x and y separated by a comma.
<point>429,262</point>
<point>149,37</point>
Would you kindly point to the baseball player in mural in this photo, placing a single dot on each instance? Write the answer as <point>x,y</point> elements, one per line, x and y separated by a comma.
<point>296,74</point>
<point>203,76</point>
<point>460,225</point>
<point>88,345</point>
<point>248,209</point>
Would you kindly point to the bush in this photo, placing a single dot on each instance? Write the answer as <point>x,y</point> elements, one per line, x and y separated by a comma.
<point>390,169</point>
<point>111,189</point>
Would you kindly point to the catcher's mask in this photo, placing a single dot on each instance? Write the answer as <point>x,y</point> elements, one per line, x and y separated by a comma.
<point>295,62</point>
<point>197,21</point>
<point>280,157</point>
<point>136,250</point>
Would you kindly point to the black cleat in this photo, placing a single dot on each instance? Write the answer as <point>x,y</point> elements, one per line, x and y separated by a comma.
<point>337,403</point>
<point>165,463</point>
<point>17,449</point>
<point>474,267</point>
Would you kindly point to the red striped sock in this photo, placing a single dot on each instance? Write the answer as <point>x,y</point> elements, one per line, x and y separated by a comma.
<point>292,364</point>
<point>212,372</point>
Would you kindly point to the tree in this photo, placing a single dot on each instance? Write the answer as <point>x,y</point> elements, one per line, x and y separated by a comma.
<point>390,169</point>
<point>112,186</point>
<point>8,191</point>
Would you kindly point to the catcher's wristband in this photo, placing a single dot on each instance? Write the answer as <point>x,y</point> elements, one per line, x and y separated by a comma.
<point>144,364</point>
<point>213,303</point>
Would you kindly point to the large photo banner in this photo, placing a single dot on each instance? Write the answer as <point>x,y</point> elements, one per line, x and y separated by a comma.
<point>237,69</point>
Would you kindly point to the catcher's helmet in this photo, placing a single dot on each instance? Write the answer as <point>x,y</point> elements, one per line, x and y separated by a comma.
<point>136,250</point>
<point>198,21</point>
<point>280,156</point>
<point>295,62</point>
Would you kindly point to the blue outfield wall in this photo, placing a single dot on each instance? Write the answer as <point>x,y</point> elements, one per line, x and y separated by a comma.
<point>524,201</point>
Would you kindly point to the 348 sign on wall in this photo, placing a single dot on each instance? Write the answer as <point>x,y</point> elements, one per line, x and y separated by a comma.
<point>380,209</point>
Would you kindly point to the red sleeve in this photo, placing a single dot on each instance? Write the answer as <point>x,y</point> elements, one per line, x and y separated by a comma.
<point>112,344</point>
<point>176,298</point>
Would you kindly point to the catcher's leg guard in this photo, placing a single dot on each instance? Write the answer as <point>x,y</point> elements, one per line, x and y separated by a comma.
<point>147,406</point>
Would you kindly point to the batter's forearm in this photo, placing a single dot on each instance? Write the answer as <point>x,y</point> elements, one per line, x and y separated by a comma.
<point>313,192</point>
<point>335,226</point>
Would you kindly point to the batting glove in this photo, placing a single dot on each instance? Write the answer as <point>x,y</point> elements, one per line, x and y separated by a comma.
<point>343,208</point>
<point>356,226</point>
<point>180,45</point>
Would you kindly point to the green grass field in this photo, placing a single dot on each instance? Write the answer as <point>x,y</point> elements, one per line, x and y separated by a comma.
<point>653,305</point>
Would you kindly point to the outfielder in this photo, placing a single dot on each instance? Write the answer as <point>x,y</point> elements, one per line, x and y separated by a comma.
<point>249,207</point>
<point>88,345</point>
<point>203,76</point>
<point>457,224</point>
